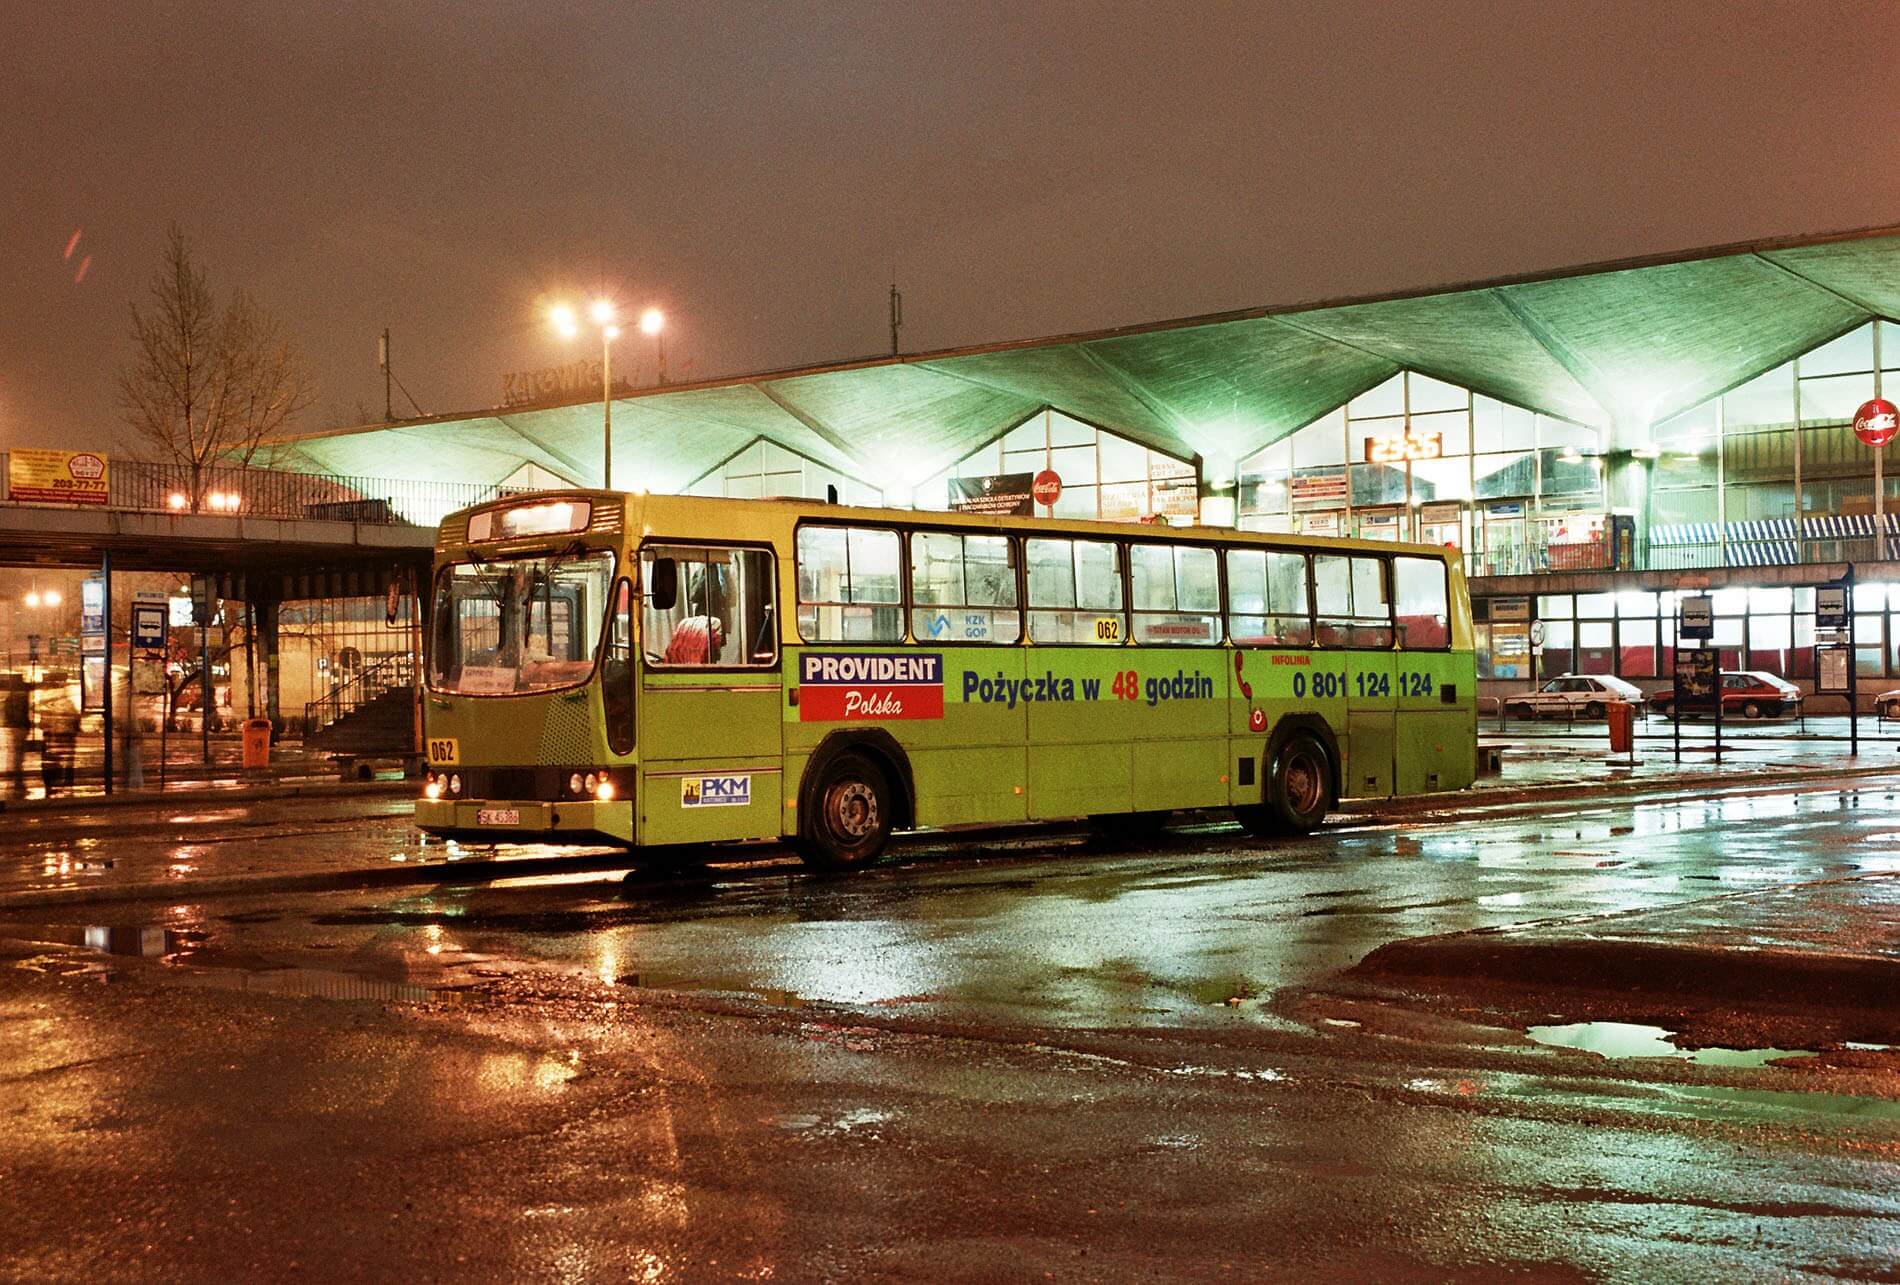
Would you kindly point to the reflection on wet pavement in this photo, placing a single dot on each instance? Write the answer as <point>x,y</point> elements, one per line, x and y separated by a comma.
<point>1629,1039</point>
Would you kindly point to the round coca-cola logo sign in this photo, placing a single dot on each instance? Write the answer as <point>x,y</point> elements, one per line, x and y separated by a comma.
<point>1047,488</point>
<point>1876,421</point>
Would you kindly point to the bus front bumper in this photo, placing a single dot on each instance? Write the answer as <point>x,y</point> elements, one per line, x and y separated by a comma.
<point>506,820</point>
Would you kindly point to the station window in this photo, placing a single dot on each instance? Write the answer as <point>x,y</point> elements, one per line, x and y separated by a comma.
<point>963,588</point>
<point>1175,593</point>
<point>722,614</point>
<point>1267,600</point>
<point>1350,599</point>
<point>1423,603</point>
<point>1075,591</point>
<point>849,588</point>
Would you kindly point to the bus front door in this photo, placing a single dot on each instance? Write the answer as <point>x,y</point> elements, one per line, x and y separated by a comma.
<point>707,714</point>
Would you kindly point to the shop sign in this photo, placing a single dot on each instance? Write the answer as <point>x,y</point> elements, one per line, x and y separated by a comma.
<point>1320,524</point>
<point>56,477</point>
<point>1876,422</point>
<point>1515,509</point>
<point>1178,497</point>
<point>1047,488</point>
<point>1510,608</point>
<point>1326,488</point>
<point>1001,494</point>
<point>1437,514</point>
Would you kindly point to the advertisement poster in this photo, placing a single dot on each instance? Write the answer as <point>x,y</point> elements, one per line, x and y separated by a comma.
<point>1001,494</point>
<point>56,477</point>
<point>1695,678</point>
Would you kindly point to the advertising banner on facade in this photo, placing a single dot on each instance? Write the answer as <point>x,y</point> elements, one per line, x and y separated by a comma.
<point>1002,494</point>
<point>56,477</point>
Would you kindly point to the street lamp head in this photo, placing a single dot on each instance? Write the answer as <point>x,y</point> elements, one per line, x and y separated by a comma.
<point>50,597</point>
<point>611,332</point>
<point>564,321</point>
<point>602,312</point>
<point>33,599</point>
<point>651,321</point>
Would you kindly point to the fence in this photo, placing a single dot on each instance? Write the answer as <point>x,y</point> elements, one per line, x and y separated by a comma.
<point>275,493</point>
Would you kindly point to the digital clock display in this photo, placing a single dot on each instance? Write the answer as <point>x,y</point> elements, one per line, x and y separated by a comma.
<point>1402,448</point>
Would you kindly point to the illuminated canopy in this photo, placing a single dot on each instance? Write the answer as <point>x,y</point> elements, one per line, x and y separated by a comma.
<point>1618,346</point>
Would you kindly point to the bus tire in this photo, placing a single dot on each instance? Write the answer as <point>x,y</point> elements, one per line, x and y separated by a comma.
<point>1297,791</point>
<point>850,817</point>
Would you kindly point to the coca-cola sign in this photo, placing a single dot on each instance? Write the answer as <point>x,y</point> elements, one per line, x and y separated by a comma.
<point>1876,421</point>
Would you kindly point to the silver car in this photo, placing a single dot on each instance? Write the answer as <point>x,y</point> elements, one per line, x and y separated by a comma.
<point>1573,696</point>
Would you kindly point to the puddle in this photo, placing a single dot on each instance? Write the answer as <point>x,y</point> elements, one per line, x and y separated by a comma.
<point>1628,1039</point>
<point>135,941</point>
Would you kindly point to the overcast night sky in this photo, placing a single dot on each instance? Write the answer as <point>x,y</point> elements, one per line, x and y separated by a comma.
<point>757,170</point>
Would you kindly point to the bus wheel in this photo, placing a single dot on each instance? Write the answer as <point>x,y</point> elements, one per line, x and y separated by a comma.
<point>1298,790</point>
<point>850,819</point>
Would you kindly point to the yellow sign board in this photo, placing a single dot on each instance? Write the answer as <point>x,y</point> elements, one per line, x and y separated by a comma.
<point>444,751</point>
<point>56,477</point>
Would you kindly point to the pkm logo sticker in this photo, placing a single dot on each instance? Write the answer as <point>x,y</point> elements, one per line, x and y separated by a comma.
<point>715,791</point>
<point>869,687</point>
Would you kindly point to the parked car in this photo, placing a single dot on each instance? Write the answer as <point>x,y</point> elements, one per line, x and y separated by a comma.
<point>1572,695</point>
<point>1887,704</point>
<point>1747,692</point>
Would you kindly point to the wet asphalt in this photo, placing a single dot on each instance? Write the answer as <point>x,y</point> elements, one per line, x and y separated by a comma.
<point>994,1059</point>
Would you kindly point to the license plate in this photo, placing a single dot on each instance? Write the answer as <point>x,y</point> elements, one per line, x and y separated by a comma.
<point>498,816</point>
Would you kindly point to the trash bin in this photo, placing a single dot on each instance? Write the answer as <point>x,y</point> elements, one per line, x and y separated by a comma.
<point>1621,716</point>
<point>256,743</point>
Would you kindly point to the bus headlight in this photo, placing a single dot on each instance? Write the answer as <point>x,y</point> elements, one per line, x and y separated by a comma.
<point>591,781</point>
<point>605,791</point>
<point>432,789</point>
<point>455,783</point>
<point>574,784</point>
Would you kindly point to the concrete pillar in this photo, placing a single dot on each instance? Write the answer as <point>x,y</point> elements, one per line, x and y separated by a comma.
<point>267,610</point>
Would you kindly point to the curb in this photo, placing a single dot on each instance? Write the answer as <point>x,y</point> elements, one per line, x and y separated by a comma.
<point>1631,787</point>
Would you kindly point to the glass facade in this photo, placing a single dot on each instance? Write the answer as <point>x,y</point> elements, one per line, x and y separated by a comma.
<point>1416,458</point>
<point>1103,476</point>
<point>1744,457</point>
<point>766,469</point>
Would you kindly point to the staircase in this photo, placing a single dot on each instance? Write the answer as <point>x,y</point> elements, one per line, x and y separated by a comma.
<point>373,712</point>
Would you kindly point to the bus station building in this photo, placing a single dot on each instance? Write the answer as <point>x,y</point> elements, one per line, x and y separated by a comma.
<point>1596,442</point>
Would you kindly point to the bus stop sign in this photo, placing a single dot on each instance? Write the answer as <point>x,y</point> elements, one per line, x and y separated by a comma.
<point>1830,606</point>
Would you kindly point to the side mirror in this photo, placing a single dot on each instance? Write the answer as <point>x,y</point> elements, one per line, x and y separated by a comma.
<point>664,588</point>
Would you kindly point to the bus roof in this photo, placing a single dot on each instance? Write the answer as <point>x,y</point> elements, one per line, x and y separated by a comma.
<point>685,517</point>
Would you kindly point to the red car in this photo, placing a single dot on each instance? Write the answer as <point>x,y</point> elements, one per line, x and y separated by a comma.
<point>1747,692</point>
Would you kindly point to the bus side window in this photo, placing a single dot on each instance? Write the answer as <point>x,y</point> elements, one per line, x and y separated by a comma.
<point>616,672</point>
<point>722,615</point>
<point>849,588</point>
<point>1350,599</point>
<point>1423,603</point>
<point>1267,600</point>
<point>963,588</point>
<point>1075,591</point>
<point>1175,594</point>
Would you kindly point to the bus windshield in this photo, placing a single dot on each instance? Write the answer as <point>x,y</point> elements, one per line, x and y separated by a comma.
<point>519,625</point>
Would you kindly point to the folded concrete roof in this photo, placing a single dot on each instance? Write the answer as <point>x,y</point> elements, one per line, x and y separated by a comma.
<point>1618,345</point>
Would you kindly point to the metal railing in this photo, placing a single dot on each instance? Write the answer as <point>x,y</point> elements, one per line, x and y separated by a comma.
<point>277,493</point>
<point>397,670</point>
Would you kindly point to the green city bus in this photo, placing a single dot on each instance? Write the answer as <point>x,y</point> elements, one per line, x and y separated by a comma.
<point>661,670</point>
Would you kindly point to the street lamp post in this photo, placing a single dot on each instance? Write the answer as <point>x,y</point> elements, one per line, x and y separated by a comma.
<point>602,313</point>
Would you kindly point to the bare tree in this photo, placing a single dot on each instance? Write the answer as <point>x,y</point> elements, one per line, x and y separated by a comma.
<point>207,384</point>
